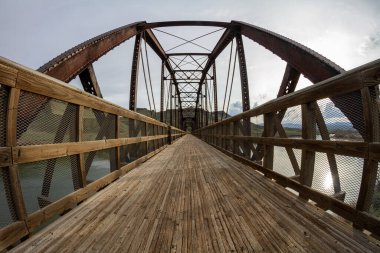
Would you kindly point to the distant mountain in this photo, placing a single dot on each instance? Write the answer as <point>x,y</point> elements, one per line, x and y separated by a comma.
<point>292,125</point>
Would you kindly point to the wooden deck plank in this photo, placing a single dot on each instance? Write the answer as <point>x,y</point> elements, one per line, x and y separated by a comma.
<point>192,198</point>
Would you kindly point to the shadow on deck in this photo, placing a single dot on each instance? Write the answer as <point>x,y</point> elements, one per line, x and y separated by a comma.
<point>193,198</point>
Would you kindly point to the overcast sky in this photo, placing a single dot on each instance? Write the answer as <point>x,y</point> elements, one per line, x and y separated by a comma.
<point>346,32</point>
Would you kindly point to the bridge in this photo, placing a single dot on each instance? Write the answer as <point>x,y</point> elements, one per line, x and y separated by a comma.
<point>298,173</point>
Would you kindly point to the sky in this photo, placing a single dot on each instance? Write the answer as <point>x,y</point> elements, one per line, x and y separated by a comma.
<point>345,31</point>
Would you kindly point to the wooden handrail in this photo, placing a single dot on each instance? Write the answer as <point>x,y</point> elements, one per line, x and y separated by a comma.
<point>18,80</point>
<point>229,137</point>
<point>352,80</point>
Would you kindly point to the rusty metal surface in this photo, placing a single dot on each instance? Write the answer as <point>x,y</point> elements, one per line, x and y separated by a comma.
<point>215,86</point>
<point>89,82</point>
<point>134,73</point>
<point>70,63</point>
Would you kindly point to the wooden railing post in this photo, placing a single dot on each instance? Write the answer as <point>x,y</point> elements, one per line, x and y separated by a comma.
<point>11,140</point>
<point>268,132</point>
<point>235,145</point>
<point>169,135</point>
<point>308,132</point>
<point>117,135</point>
<point>145,134</point>
<point>370,167</point>
<point>79,126</point>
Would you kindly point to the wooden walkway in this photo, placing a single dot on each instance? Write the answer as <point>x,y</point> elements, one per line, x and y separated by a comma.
<point>192,198</point>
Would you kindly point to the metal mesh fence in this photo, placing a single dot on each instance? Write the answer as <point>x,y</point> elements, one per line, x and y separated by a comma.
<point>350,174</point>
<point>98,125</point>
<point>4,93</point>
<point>350,106</point>
<point>257,126</point>
<point>282,163</point>
<point>149,130</point>
<point>124,127</point>
<point>99,163</point>
<point>291,121</point>
<point>128,153</point>
<point>42,120</point>
<point>151,146</point>
<point>7,210</point>
<point>339,127</point>
<point>229,131</point>
<point>46,181</point>
<point>139,128</point>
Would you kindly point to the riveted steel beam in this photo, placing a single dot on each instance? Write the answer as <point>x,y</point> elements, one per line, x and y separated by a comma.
<point>72,62</point>
<point>135,73</point>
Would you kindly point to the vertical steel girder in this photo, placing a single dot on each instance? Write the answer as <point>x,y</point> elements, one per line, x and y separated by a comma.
<point>244,91</point>
<point>215,93</point>
<point>206,107</point>
<point>89,81</point>
<point>243,73</point>
<point>171,102</point>
<point>135,73</point>
<point>162,91</point>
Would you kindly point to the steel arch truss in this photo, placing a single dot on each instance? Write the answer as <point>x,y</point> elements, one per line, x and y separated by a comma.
<point>188,72</point>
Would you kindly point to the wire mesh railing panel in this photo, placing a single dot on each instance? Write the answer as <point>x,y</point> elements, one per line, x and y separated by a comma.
<point>291,121</point>
<point>349,172</point>
<point>44,182</point>
<point>151,145</point>
<point>98,125</point>
<point>339,127</point>
<point>149,130</point>
<point>375,204</point>
<point>4,94</point>
<point>322,178</point>
<point>257,126</point>
<point>99,163</point>
<point>125,156</point>
<point>139,129</point>
<point>124,128</point>
<point>43,120</point>
<point>282,162</point>
<point>7,210</point>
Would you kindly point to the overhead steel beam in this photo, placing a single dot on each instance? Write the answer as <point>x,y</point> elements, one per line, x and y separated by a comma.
<point>72,62</point>
<point>162,91</point>
<point>187,23</point>
<point>243,73</point>
<point>180,54</point>
<point>309,63</point>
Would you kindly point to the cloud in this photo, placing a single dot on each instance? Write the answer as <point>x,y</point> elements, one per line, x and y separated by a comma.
<point>370,44</point>
<point>235,108</point>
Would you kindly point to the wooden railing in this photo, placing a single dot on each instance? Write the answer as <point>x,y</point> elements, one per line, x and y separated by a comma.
<point>293,138</point>
<point>59,145</point>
